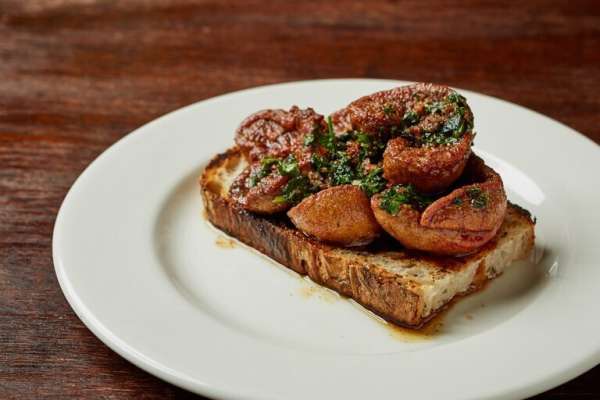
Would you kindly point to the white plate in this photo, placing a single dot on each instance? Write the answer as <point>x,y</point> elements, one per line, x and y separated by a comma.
<point>140,267</point>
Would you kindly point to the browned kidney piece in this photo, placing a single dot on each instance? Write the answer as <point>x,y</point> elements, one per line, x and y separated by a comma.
<point>340,215</point>
<point>370,114</point>
<point>405,227</point>
<point>260,196</point>
<point>391,108</point>
<point>276,132</point>
<point>418,108</point>
<point>429,128</point>
<point>455,224</point>
<point>429,169</point>
<point>479,205</point>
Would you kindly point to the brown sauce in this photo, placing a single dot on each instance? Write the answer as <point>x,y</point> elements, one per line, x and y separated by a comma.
<point>427,332</point>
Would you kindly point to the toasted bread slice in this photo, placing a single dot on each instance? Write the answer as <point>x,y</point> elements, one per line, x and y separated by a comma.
<point>404,287</point>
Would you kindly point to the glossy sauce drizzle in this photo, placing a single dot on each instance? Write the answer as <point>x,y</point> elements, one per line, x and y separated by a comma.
<point>429,331</point>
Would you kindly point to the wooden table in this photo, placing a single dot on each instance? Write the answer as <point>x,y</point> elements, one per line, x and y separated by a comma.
<point>77,75</point>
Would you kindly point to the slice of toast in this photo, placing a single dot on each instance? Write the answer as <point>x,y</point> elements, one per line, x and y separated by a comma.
<point>404,287</point>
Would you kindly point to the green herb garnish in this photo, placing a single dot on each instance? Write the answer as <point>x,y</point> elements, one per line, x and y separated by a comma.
<point>363,139</point>
<point>437,138</point>
<point>371,146</point>
<point>268,161</point>
<point>341,171</point>
<point>328,140</point>
<point>389,109</point>
<point>398,195</point>
<point>254,179</point>
<point>410,118</point>
<point>288,166</point>
<point>309,139</point>
<point>372,182</point>
<point>435,108</point>
<point>295,190</point>
<point>479,198</point>
<point>453,125</point>
<point>454,97</point>
<point>265,169</point>
<point>320,164</point>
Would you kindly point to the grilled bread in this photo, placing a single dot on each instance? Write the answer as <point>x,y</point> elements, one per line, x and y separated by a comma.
<point>405,287</point>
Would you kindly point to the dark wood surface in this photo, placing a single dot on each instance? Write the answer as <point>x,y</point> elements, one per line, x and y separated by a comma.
<point>77,75</point>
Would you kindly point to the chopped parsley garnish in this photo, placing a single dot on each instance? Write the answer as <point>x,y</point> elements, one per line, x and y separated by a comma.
<point>372,182</point>
<point>328,140</point>
<point>320,164</point>
<point>434,108</point>
<point>479,198</point>
<point>389,110</point>
<point>325,139</point>
<point>457,201</point>
<point>410,118</point>
<point>295,190</point>
<point>371,146</point>
<point>341,171</point>
<point>268,161</point>
<point>254,179</point>
<point>288,166</point>
<point>265,169</point>
<point>334,163</point>
<point>454,126</point>
<point>398,195</point>
<point>437,138</point>
<point>339,168</point>
<point>309,139</point>
<point>363,139</point>
<point>454,97</point>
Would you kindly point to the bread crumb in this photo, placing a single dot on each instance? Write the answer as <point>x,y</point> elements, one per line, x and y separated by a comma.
<point>225,242</point>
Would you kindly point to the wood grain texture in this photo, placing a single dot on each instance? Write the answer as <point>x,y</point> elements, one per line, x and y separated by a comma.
<point>77,75</point>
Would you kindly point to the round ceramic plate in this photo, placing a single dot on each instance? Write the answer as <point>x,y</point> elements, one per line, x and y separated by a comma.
<point>150,277</point>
